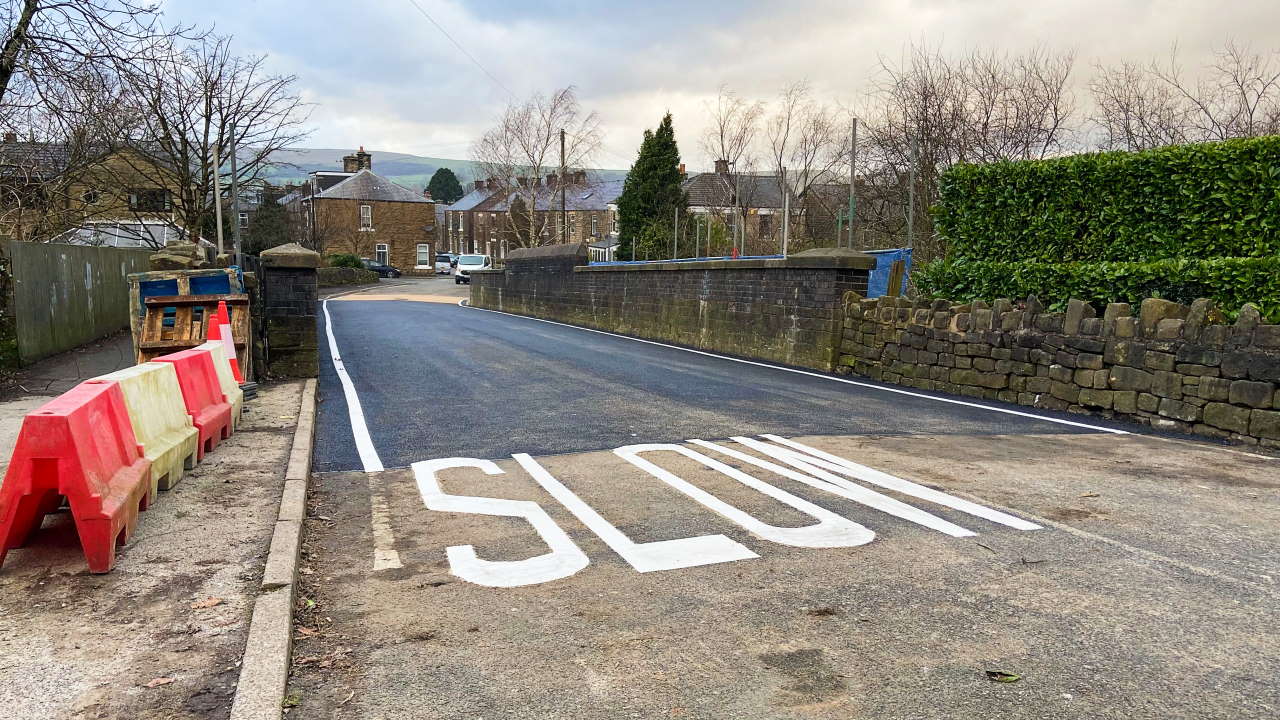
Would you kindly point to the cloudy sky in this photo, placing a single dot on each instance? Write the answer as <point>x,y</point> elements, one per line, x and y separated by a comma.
<point>381,75</point>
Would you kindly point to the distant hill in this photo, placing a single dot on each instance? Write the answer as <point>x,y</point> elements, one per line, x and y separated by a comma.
<point>412,171</point>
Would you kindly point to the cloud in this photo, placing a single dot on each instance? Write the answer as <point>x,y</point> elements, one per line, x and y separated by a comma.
<point>381,75</point>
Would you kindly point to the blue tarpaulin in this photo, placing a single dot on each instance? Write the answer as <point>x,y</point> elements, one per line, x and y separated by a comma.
<point>878,284</point>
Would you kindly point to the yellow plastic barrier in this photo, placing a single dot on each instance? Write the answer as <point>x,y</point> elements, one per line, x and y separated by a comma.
<point>161,425</point>
<point>230,388</point>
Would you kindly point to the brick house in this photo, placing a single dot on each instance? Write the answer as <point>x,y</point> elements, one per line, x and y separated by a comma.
<point>361,213</point>
<point>482,220</point>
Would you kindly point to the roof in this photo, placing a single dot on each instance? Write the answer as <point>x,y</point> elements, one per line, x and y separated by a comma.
<point>366,185</point>
<point>39,158</point>
<point>605,243</point>
<point>586,196</point>
<point>711,189</point>
<point>471,199</point>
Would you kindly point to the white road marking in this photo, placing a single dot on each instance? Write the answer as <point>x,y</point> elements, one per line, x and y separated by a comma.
<point>831,530</point>
<point>899,391</point>
<point>359,430</point>
<point>814,457</point>
<point>385,556</point>
<point>836,485</point>
<point>644,557</point>
<point>564,559</point>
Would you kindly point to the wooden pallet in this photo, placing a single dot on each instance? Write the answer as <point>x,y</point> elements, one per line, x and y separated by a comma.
<point>180,322</point>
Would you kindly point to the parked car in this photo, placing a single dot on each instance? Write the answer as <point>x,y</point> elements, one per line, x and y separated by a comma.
<point>468,263</point>
<point>384,271</point>
<point>444,263</point>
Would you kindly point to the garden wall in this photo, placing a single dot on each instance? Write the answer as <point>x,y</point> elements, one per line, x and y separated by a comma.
<point>1170,366</point>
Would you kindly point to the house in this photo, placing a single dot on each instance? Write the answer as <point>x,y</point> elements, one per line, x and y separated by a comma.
<point>750,207</point>
<point>490,218</point>
<point>84,195</point>
<point>359,212</point>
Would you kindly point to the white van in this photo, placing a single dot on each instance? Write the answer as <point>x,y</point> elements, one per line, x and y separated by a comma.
<point>467,263</point>
<point>444,263</point>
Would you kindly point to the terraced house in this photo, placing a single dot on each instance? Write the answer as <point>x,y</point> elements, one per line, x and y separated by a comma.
<point>358,212</point>
<point>493,218</point>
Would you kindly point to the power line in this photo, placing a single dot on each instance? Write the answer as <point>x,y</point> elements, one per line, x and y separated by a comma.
<point>463,50</point>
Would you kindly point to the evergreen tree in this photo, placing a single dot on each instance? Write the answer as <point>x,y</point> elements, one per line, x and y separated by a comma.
<point>652,191</point>
<point>444,187</point>
<point>270,227</point>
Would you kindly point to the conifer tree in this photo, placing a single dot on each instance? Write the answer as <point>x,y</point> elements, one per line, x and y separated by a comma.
<point>444,187</point>
<point>652,191</point>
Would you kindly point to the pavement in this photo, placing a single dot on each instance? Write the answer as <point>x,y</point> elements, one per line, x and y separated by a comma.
<point>56,374</point>
<point>161,636</point>
<point>607,528</point>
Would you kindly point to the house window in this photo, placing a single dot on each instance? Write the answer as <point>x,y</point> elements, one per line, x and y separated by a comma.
<point>366,218</point>
<point>149,200</point>
<point>381,253</point>
<point>613,224</point>
<point>424,255</point>
<point>594,220</point>
<point>244,220</point>
<point>91,197</point>
<point>766,225</point>
<point>460,216</point>
<point>573,224</point>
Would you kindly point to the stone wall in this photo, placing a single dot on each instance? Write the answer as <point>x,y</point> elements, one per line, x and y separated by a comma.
<point>333,276</point>
<point>786,310</point>
<point>289,300</point>
<point>1169,366</point>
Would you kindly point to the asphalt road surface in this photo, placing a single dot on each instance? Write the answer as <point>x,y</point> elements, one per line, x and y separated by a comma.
<point>597,527</point>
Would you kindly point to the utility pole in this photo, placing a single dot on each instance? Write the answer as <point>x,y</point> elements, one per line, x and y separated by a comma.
<point>786,211</point>
<point>675,232</point>
<point>564,222</point>
<point>217,192</point>
<point>853,179</point>
<point>911,192</point>
<point>235,204</point>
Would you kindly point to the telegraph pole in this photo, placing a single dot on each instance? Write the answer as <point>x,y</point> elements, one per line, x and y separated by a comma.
<point>217,192</point>
<point>786,211</point>
<point>853,175</point>
<point>675,232</point>
<point>911,193</point>
<point>564,222</point>
<point>235,203</point>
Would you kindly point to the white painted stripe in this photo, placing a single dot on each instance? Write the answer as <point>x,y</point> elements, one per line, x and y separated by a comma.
<point>564,559</point>
<point>644,557</point>
<point>884,388</point>
<point>836,485</point>
<point>385,556</point>
<point>359,430</point>
<point>816,457</point>
<point>830,531</point>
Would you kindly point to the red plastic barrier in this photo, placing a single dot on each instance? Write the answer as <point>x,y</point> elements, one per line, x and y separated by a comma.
<point>79,445</point>
<point>202,394</point>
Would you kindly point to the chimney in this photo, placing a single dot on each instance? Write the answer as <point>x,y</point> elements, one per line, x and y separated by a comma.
<point>524,181</point>
<point>11,137</point>
<point>682,170</point>
<point>479,184</point>
<point>492,184</point>
<point>364,161</point>
<point>426,195</point>
<point>580,177</point>
<point>551,180</point>
<point>349,164</point>
<point>722,167</point>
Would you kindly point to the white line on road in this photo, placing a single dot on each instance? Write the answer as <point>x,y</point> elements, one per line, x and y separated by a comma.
<point>385,556</point>
<point>856,383</point>
<point>359,430</point>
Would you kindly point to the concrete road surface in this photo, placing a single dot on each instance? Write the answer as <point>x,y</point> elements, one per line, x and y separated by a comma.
<point>597,527</point>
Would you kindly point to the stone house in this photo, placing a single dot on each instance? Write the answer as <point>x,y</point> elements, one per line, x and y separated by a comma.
<point>54,191</point>
<point>489,218</point>
<point>359,212</point>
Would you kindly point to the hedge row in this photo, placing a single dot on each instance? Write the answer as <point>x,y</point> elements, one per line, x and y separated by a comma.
<point>1205,200</point>
<point>1231,282</point>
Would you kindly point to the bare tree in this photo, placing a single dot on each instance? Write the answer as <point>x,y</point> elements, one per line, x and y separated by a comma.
<point>731,138</point>
<point>808,143</point>
<point>190,106</point>
<point>1140,107</point>
<point>525,144</point>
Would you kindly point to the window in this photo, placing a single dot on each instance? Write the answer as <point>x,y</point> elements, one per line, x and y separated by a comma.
<point>573,224</point>
<point>594,229</point>
<point>244,220</point>
<point>613,224</point>
<point>381,252</point>
<point>149,200</point>
<point>459,222</point>
<point>91,197</point>
<point>766,225</point>
<point>366,218</point>
<point>424,254</point>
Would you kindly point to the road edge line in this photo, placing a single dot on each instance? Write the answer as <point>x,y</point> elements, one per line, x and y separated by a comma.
<point>264,667</point>
<point>824,376</point>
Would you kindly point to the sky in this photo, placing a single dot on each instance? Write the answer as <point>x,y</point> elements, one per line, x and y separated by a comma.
<point>381,75</point>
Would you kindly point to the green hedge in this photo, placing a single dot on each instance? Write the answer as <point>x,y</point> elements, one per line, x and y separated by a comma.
<point>344,260</point>
<point>1231,282</point>
<point>1202,201</point>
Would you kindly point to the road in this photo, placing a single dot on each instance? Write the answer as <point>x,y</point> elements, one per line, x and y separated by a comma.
<point>598,527</point>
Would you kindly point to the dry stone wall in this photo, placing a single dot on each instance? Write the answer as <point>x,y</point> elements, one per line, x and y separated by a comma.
<point>1167,365</point>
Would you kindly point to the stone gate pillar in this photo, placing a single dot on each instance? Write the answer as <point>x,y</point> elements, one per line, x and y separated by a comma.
<point>289,296</point>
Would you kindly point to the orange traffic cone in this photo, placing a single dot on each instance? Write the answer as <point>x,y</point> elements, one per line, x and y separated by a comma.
<point>220,329</point>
